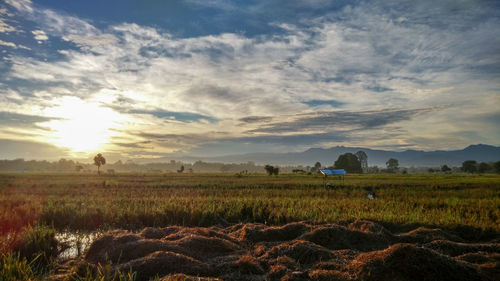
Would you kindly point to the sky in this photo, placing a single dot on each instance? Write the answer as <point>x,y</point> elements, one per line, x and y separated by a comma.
<point>153,78</point>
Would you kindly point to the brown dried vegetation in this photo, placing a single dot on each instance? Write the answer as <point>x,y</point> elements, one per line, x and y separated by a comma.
<point>361,250</point>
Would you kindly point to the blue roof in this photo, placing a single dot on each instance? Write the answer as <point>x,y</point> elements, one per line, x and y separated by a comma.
<point>333,171</point>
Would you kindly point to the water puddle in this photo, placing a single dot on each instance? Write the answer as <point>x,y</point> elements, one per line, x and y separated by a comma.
<point>76,243</point>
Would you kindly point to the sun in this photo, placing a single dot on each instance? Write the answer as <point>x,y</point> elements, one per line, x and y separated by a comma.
<point>81,126</point>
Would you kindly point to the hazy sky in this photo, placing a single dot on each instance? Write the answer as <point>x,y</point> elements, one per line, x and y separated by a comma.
<point>211,77</point>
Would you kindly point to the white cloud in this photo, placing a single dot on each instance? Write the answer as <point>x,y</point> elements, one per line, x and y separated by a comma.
<point>5,26</point>
<point>13,45</point>
<point>21,5</point>
<point>40,35</point>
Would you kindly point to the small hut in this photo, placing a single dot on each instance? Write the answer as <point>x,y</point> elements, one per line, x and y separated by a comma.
<point>338,173</point>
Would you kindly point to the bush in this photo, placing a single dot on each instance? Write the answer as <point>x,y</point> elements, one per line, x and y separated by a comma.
<point>272,170</point>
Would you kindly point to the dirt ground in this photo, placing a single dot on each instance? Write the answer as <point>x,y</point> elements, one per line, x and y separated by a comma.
<point>361,250</point>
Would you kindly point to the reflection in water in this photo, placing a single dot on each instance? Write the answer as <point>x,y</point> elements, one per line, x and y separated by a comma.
<point>76,243</point>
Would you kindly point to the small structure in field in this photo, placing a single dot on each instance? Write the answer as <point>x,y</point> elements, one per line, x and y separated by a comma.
<point>339,173</point>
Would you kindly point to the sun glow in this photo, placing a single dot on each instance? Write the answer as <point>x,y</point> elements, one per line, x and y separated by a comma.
<point>81,126</point>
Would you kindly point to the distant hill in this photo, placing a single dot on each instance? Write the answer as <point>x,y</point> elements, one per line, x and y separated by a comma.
<point>480,153</point>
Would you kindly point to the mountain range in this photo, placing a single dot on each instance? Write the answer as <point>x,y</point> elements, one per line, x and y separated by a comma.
<point>327,156</point>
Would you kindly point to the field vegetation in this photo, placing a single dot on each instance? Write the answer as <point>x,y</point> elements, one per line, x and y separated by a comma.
<point>33,207</point>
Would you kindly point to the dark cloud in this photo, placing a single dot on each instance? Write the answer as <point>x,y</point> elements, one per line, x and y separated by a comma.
<point>132,144</point>
<point>296,139</point>
<point>28,150</point>
<point>185,117</point>
<point>378,88</point>
<point>173,139</point>
<point>179,116</point>
<point>331,120</point>
<point>10,119</point>
<point>255,119</point>
<point>332,103</point>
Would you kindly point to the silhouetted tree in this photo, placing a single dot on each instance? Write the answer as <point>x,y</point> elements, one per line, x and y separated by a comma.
<point>348,162</point>
<point>392,165</point>
<point>496,167</point>
<point>316,168</point>
<point>363,158</point>
<point>483,167</point>
<point>445,169</point>
<point>98,161</point>
<point>181,169</point>
<point>272,170</point>
<point>469,166</point>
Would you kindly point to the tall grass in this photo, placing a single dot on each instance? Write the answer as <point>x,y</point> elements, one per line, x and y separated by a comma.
<point>76,202</point>
<point>31,256</point>
<point>15,268</point>
<point>104,273</point>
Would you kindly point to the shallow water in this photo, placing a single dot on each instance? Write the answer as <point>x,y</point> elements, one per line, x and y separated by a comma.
<point>77,243</point>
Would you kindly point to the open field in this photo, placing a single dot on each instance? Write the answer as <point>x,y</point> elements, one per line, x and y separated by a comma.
<point>89,202</point>
<point>465,206</point>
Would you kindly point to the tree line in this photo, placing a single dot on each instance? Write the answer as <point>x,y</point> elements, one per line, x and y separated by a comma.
<point>357,163</point>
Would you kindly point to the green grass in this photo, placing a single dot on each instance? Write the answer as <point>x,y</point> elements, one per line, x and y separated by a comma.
<point>15,268</point>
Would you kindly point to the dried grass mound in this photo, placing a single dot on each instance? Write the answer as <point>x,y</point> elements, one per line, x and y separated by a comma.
<point>248,265</point>
<point>338,237</point>
<point>405,262</point>
<point>480,258</point>
<point>285,261</point>
<point>295,276</point>
<point>257,233</point>
<point>201,231</point>
<point>369,227</point>
<point>202,247</point>
<point>107,243</point>
<point>426,235</point>
<point>158,233</point>
<point>276,272</point>
<point>456,249</point>
<point>161,263</point>
<point>328,275</point>
<point>341,258</point>
<point>120,250</point>
<point>184,277</point>
<point>302,251</point>
<point>489,263</point>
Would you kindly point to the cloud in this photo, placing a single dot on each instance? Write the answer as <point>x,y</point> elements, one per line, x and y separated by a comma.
<point>173,116</point>
<point>10,119</point>
<point>5,27</point>
<point>21,5</point>
<point>366,58</point>
<point>316,103</point>
<point>340,120</point>
<point>30,150</point>
<point>256,119</point>
<point>13,45</point>
<point>40,35</point>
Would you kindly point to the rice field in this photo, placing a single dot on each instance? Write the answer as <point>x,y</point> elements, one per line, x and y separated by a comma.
<point>90,202</point>
<point>84,203</point>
